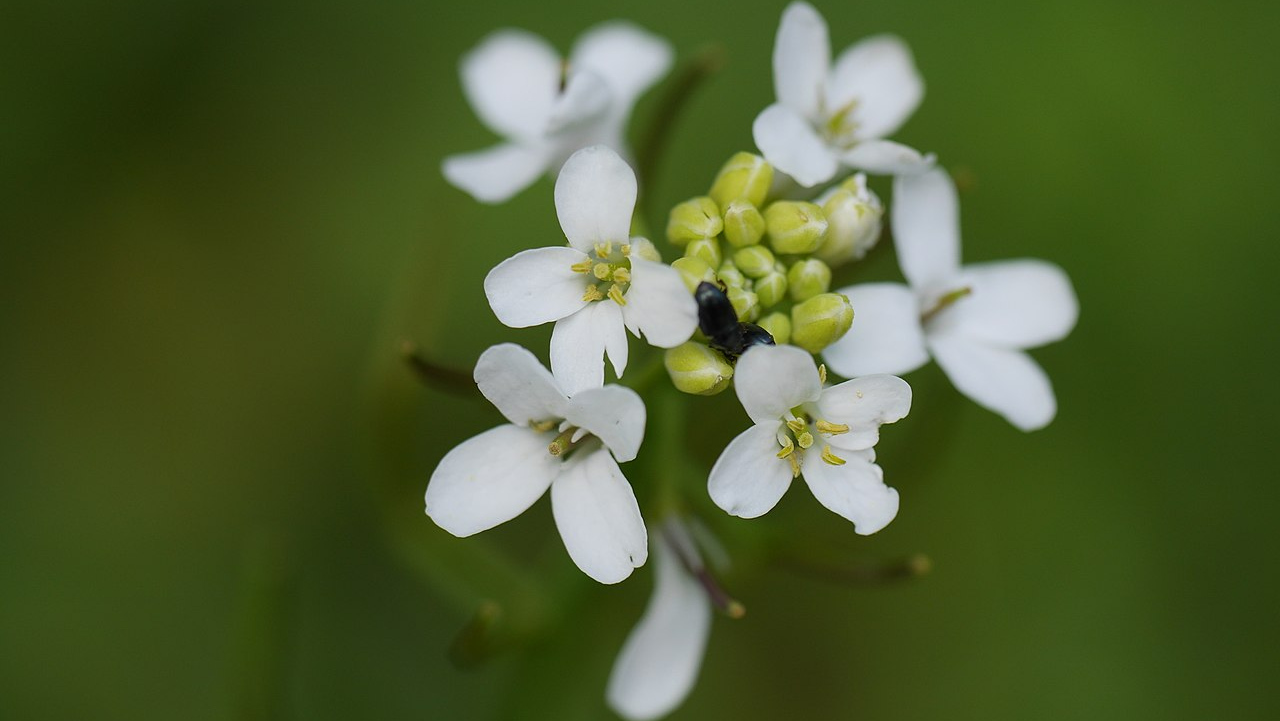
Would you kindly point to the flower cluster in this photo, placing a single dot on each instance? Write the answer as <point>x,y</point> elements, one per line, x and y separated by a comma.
<point>748,304</point>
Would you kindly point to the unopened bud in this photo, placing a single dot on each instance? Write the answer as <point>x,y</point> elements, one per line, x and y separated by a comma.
<point>820,321</point>
<point>643,248</point>
<point>693,271</point>
<point>693,219</point>
<point>771,289</point>
<point>808,278</point>
<point>695,368</point>
<point>743,224</point>
<point>854,216</point>
<point>705,249</point>
<point>730,275</point>
<point>745,177</point>
<point>778,325</point>
<point>754,261</point>
<point>795,227</point>
<point>745,303</point>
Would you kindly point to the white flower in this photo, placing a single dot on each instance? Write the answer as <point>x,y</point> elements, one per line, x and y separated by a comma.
<point>566,444</point>
<point>826,435</point>
<point>660,660</point>
<point>828,115</point>
<point>545,110</point>
<point>599,285</point>
<point>974,320</point>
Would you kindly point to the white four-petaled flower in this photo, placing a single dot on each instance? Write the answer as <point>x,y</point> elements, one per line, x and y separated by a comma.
<point>570,445</point>
<point>831,115</point>
<point>544,108</point>
<point>600,285</point>
<point>659,662</point>
<point>975,320</point>
<point>801,429</point>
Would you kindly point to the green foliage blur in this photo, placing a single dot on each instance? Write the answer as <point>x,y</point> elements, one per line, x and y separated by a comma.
<point>220,220</point>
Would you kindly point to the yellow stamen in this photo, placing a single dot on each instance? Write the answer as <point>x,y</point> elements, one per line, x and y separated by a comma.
<point>593,294</point>
<point>787,449</point>
<point>622,275</point>
<point>605,249</point>
<point>822,372</point>
<point>831,458</point>
<point>832,429</point>
<point>542,426</point>
<point>796,425</point>
<point>582,266</point>
<point>626,250</point>
<point>615,295</point>
<point>795,466</point>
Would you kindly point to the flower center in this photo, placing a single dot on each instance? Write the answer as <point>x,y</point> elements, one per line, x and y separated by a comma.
<point>946,300</point>
<point>840,128</point>
<point>796,435</point>
<point>569,439</point>
<point>611,270</point>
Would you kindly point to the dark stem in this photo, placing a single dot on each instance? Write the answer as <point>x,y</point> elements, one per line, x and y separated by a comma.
<point>435,375</point>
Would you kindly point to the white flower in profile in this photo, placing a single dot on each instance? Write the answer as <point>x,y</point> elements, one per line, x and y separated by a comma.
<point>660,660</point>
<point>831,115</point>
<point>570,445</point>
<point>598,286</point>
<point>975,320</point>
<point>826,435</point>
<point>545,108</point>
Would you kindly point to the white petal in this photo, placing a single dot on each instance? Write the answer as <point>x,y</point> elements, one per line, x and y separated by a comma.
<point>614,414</point>
<point>536,286</point>
<point>595,194</point>
<point>578,345</point>
<point>598,517</point>
<point>1006,381</point>
<point>855,490</point>
<point>1014,304</point>
<point>771,380</point>
<point>516,384</point>
<point>886,336</point>
<point>885,157</point>
<point>659,305</point>
<point>790,144</point>
<point>864,404</point>
<point>660,660</point>
<point>495,174</point>
<point>879,75</point>
<point>585,100</point>
<point>801,59</point>
<point>490,479</point>
<point>926,228</point>
<point>629,58</point>
<point>749,479</point>
<point>511,79</point>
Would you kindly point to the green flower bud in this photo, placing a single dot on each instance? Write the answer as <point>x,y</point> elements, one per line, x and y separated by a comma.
<point>731,276</point>
<point>754,261</point>
<point>745,303</point>
<point>808,278</point>
<point>695,368</point>
<point>693,219</point>
<point>778,325</point>
<point>820,321</point>
<point>854,216</point>
<point>795,227</point>
<point>705,249</point>
<point>644,248</point>
<point>771,289</point>
<point>693,271</point>
<point>745,177</point>
<point>743,224</point>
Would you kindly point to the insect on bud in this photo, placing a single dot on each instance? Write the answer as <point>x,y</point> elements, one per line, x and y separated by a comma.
<point>693,271</point>
<point>696,369</point>
<point>778,325</point>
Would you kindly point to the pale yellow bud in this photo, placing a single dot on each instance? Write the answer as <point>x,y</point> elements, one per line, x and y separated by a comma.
<point>693,219</point>
<point>820,321</point>
<point>743,224</point>
<point>854,215</point>
<point>693,271</point>
<point>694,368</point>
<point>795,227</point>
<point>745,177</point>
<point>754,261</point>
<point>705,249</point>
<point>808,278</point>
<point>771,289</point>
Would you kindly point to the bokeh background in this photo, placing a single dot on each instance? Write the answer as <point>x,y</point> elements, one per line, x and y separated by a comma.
<point>218,221</point>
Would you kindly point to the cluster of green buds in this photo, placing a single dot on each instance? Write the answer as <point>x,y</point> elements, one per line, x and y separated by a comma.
<point>772,257</point>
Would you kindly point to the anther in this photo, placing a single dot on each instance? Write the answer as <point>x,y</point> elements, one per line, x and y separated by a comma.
<point>542,426</point>
<point>831,458</point>
<point>626,250</point>
<point>622,275</point>
<point>796,425</point>
<point>822,372</point>
<point>832,429</point>
<point>787,449</point>
<point>615,295</point>
<point>582,266</point>
<point>605,249</point>
<point>593,294</point>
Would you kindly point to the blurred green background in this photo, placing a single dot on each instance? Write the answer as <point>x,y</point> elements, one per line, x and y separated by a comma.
<point>218,220</point>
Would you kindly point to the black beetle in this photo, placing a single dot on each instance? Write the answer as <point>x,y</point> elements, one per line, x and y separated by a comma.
<point>718,321</point>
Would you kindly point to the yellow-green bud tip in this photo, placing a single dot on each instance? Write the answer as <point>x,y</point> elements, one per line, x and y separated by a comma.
<point>745,177</point>
<point>696,369</point>
<point>754,261</point>
<point>705,249</point>
<point>795,227</point>
<point>854,215</point>
<point>808,278</point>
<point>693,271</point>
<point>820,321</point>
<point>743,224</point>
<point>693,219</point>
